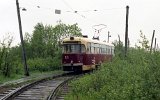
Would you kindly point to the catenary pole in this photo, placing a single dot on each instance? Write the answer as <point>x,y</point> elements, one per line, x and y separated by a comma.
<point>119,41</point>
<point>155,44</point>
<point>126,30</point>
<point>22,42</point>
<point>108,36</point>
<point>152,41</point>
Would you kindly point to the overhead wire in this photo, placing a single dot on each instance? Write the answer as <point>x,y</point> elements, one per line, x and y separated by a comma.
<point>97,10</point>
<point>83,16</point>
<point>67,5</point>
<point>78,12</point>
<point>73,11</point>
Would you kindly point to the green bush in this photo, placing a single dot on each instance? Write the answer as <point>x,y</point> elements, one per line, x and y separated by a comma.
<point>136,77</point>
<point>41,64</point>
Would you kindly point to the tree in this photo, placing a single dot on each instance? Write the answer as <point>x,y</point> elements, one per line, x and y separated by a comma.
<point>46,40</point>
<point>143,41</point>
<point>119,48</point>
<point>37,43</point>
<point>43,49</point>
<point>5,58</point>
<point>27,43</point>
<point>62,31</point>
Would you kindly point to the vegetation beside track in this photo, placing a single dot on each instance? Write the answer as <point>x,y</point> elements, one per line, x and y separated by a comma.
<point>43,50</point>
<point>18,79</point>
<point>7,83</point>
<point>135,77</point>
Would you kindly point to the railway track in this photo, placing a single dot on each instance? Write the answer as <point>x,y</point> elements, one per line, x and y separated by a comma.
<point>45,89</point>
<point>63,91</point>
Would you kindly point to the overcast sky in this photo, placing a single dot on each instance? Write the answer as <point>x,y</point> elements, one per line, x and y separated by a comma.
<point>143,15</point>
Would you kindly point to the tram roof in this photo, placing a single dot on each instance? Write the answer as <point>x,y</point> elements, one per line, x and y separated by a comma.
<point>84,39</point>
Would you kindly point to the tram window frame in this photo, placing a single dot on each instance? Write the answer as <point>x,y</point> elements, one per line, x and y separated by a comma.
<point>100,48</point>
<point>84,48</point>
<point>107,49</point>
<point>96,48</point>
<point>103,49</point>
<point>74,48</point>
<point>92,48</point>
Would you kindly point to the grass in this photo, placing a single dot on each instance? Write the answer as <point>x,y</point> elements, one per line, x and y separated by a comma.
<point>6,79</point>
<point>20,77</point>
<point>134,78</point>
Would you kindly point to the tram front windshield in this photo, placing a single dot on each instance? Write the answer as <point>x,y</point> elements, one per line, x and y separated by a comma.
<point>73,48</point>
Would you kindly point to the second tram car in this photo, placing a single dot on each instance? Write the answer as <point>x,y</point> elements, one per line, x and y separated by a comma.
<point>82,53</point>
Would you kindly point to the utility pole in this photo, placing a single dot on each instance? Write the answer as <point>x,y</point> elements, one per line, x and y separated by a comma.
<point>128,43</point>
<point>152,41</point>
<point>119,41</point>
<point>22,42</point>
<point>126,30</point>
<point>155,44</point>
<point>108,36</point>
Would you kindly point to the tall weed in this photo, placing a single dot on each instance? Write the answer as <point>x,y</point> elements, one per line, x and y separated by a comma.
<point>136,77</point>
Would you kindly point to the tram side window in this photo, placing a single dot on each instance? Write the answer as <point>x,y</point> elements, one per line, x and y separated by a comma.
<point>103,49</point>
<point>100,49</point>
<point>108,49</point>
<point>89,47</point>
<point>83,50</point>
<point>96,48</point>
<point>92,47</point>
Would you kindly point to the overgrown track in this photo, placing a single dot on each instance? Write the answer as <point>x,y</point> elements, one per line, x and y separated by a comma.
<point>39,90</point>
<point>63,91</point>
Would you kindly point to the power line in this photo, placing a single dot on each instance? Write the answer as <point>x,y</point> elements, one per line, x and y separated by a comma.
<point>73,11</point>
<point>98,10</point>
<point>78,12</point>
<point>67,5</point>
<point>95,10</point>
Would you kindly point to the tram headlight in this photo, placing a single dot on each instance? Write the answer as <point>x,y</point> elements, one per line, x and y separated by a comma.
<point>71,61</point>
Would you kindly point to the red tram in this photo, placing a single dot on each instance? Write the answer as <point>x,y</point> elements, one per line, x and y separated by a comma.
<point>82,53</point>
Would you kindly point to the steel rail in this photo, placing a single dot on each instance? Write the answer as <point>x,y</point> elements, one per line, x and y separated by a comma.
<point>18,91</point>
<point>54,93</point>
